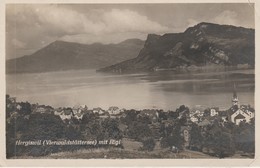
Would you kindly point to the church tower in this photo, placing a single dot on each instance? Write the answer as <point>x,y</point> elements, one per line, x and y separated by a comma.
<point>235,101</point>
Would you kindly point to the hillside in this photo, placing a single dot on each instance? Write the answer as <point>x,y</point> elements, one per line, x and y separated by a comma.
<point>61,55</point>
<point>205,44</point>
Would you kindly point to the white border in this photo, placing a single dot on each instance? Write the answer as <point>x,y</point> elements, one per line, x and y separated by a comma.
<point>123,162</point>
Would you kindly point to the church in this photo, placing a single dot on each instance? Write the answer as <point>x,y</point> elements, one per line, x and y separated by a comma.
<point>239,113</point>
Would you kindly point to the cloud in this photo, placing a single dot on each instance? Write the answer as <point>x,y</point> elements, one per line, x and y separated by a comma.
<point>55,19</point>
<point>38,25</point>
<point>105,38</point>
<point>116,20</point>
<point>227,17</point>
<point>31,27</point>
<point>127,20</point>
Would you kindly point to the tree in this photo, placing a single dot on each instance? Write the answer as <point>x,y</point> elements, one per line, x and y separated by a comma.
<point>173,114</point>
<point>148,144</point>
<point>172,136</point>
<point>196,138</point>
<point>131,116</point>
<point>110,128</point>
<point>138,131</point>
<point>252,121</point>
<point>224,145</point>
<point>44,126</point>
<point>162,115</point>
<point>87,118</point>
<point>183,120</point>
<point>181,108</point>
<point>71,133</point>
<point>245,137</point>
<point>172,140</point>
<point>144,119</point>
<point>10,106</point>
<point>206,112</point>
<point>220,142</point>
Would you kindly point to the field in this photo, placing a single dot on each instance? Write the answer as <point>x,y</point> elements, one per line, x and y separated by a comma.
<point>131,151</point>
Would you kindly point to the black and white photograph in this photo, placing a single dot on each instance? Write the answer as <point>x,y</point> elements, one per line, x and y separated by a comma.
<point>130,81</point>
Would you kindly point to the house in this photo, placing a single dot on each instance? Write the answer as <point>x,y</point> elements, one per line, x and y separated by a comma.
<point>123,115</point>
<point>67,113</point>
<point>105,114</point>
<point>151,113</point>
<point>250,111</point>
<point>113,110</point>
<point>214,111</point>
<point>198,110</point>
<point>12,99</point>
<point>79,109</point>
<point>43,109</point>
<point>98,110</point>
<point>223,115</point>
<point>239,118</point>
<point>58,111</point>
<point>40,110</point>
<point>78,116</point>
<point>194,119</point>
<point>122,110</point>
<point>204,123</point>
<point>18,107</point>
<point>239,113</point>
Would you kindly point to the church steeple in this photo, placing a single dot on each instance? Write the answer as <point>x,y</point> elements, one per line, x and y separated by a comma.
<point>235,101</point>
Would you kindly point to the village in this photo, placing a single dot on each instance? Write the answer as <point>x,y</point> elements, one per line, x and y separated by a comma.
<point>149,129</point>
<point>199,114</point>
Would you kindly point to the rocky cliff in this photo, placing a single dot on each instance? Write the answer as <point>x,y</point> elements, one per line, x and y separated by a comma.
<point>205,44</point>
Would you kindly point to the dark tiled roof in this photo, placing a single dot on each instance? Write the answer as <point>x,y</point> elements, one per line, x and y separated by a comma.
<point>204,123</point>
<point>239,116</point>
<point>67,111</point>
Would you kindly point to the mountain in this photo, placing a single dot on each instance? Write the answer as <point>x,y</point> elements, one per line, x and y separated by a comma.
<point>205,44</point>
<point>61,55</point>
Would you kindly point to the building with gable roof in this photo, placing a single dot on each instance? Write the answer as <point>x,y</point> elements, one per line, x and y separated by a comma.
<point>239,113</point>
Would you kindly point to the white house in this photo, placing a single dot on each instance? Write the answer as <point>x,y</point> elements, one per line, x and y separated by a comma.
<point>194,119</point>
<point>79,109</point>
<point>40,110</point>
<point>214,111</point>
<point>240,113</point>
<point>98,110</point>
<point>197,110</point>
<point>18,107</point>
<point>78,116</point>
<point>58,111</point>
<point>64,113</point>
<point>113,110</point>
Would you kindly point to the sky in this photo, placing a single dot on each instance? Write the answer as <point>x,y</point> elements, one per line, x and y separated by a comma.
<point>30,27</point>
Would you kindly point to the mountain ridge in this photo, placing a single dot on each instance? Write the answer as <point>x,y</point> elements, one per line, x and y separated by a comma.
<point>62,55</point>
<point>200,45</point>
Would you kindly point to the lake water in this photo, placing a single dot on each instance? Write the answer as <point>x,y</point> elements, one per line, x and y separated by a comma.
<point>162,89</point>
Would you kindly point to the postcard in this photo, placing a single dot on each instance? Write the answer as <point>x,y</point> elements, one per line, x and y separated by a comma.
<point>129,83</point>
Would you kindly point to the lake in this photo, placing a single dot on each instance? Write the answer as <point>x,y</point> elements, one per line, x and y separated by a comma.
<point>161,89</point>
